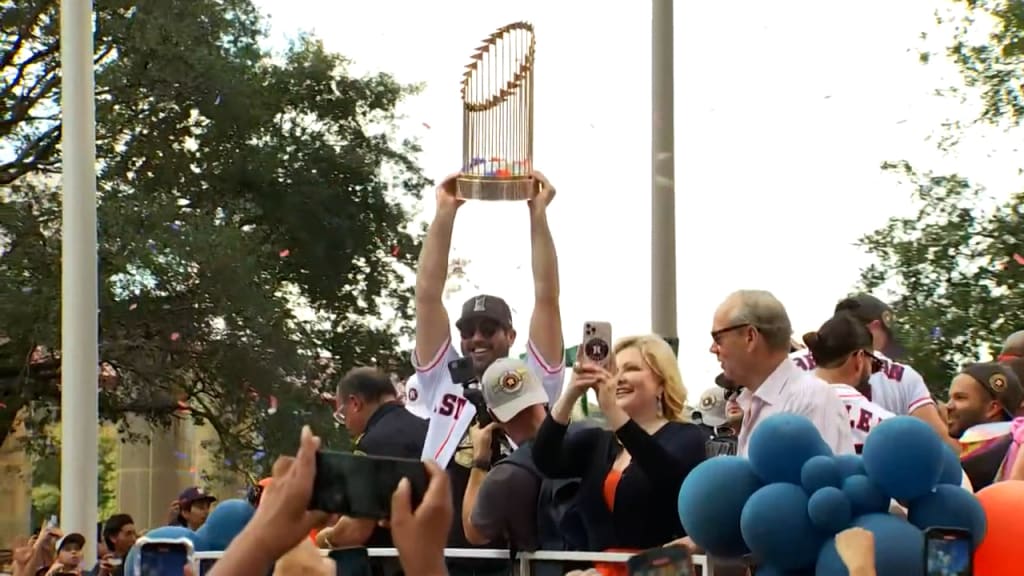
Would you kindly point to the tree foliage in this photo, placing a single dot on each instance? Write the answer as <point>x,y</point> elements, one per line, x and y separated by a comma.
<point>953,266</point>
<point>46,478</point>
<point>254,214</point>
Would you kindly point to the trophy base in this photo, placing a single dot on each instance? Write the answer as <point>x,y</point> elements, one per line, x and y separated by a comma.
<point>513,189</point>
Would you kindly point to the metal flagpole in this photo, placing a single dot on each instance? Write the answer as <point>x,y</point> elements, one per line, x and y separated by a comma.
<point>663,203</point>
<point>79,483</point>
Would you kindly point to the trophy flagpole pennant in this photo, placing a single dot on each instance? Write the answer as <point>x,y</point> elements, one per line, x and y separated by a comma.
<point>497,117</point>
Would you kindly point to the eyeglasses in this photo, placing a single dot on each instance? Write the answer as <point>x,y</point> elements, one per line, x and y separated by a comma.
<point>876,362</point>
<point>486,327</point>
<point>717,334</point>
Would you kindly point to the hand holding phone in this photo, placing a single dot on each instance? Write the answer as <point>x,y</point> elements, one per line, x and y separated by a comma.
<point>162,556</point>
<point>666,561</point>
<point>597,344</point>
<point>948,552</point>
<point>361,486</point>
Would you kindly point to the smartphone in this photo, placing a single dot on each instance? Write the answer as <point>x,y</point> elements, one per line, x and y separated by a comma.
<point>361,486</point>
<point>162,556</point>
<point>462,372</point>
<point>597,343</point>
<point>947,552</point>
<point>666,561</point>
<point>51,522</point>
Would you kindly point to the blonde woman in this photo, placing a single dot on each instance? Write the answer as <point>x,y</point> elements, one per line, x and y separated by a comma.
<point>630,475</point>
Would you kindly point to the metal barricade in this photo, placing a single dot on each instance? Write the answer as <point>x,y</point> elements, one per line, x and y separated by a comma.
<point>525,558</point>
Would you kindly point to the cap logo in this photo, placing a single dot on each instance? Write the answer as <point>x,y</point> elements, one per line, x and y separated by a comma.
<point>480,304</point>
<point>413,394</point>
<point>707,401</point>
<point>997,382</point>
<point>511,381</point>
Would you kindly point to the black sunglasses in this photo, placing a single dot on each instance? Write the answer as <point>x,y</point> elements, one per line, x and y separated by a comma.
<point>486,327</point>
<point>716,335</point>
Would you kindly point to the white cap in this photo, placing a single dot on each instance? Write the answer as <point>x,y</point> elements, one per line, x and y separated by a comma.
<point>415,399</point>
<point>712,407</point>
<point>510,387</point>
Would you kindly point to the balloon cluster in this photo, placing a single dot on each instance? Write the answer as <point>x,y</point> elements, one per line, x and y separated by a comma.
<point>787,501</point>
<point>226,520</point>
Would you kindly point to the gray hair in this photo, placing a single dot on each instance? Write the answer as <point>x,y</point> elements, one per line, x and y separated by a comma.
<point>762,310</point>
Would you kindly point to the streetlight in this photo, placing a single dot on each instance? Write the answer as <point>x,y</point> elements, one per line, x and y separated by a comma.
<point>79,483</point>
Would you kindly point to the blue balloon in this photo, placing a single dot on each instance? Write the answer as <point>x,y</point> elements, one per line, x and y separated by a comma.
<point>226,520</point>
<point>781,444</point>
<point>904,456</point>
<point>711,501</point>
<point>131,562</point>
<point>850,465</point>
<point>949,507</point>
<point>865,496</point>
<point>899,548</point>
<point>830,510</point>
<point>777,529</point>
<point>952,471</point>
<point>819,472</point>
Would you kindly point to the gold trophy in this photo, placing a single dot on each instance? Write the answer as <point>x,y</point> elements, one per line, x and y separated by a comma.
<point>497,117</point>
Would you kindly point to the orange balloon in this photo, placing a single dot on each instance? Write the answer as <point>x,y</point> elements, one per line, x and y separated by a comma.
<point>999,553</point>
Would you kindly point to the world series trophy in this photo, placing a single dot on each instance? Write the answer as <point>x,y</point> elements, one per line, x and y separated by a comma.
<point>497,117</point>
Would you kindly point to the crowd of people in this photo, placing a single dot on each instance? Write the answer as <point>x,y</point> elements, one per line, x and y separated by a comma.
<point>510,469</point>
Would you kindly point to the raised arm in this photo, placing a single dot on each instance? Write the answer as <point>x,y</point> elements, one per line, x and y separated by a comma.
<point>546,322</point>
<point>433,327</point>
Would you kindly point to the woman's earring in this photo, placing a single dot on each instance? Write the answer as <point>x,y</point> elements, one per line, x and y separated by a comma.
<point>661,408</point>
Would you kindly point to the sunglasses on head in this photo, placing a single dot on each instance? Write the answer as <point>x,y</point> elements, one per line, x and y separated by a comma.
<point>486,327</point>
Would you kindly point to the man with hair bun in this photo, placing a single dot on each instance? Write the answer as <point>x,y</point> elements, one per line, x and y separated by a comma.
<point>895,386</point>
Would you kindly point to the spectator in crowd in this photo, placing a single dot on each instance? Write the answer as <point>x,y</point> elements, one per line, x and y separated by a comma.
<point>69,555</point>
<point>630,476</point>
<point>1013,347</point>
<point>750,335</point>
<point>844,357</point>
<point>192,507</point>
<point>38,554</point>
<point>485,329</point>
<point>721,417</point>
<point>276,533</point>
<point>984,393</point>
<point>895,387</point>
<point>119,535</point>
<point>381,426</point>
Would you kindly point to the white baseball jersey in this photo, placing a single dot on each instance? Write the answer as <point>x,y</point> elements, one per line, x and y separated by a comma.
<point>414,398</point>
<point>451,413</point>
<point>864,414</point>
<point>897,387</point>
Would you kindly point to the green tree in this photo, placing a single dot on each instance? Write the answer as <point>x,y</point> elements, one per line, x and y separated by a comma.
<point>954,266</point>
<point>46,477</point>
<point>254,218</point>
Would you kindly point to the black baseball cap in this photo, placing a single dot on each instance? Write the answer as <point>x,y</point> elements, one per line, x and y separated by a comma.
<point>194,494</point>
<point>72,538</point>
<point>485,307</point>
<point>867,309</point>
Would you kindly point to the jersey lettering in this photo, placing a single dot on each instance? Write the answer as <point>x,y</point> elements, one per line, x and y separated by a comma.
<point>451,405</point>
<point>893,371</point>
<point>864,420</point>
<point>805,362</point>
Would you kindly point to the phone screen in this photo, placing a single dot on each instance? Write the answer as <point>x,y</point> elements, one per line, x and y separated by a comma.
<point>667,561</point>
<point>160,558</point>
<point>361,486</point>
<point>948,553</point>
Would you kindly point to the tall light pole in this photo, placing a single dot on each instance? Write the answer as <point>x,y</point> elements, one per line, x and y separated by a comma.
<point>663,201</point>
<point>79,483</point>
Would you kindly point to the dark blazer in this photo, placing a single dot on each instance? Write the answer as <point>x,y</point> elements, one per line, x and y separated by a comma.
<point>645,513</point>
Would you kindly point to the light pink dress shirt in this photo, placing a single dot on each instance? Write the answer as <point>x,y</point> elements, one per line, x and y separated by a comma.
<point>790,389</point>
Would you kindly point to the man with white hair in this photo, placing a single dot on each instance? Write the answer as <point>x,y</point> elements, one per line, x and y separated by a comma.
<point>750,337</point>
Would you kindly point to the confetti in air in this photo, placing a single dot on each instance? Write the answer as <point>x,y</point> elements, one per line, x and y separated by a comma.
<point>936,333</point>
<point>175,336</point>
<point>395,251</point>
<point>427,126</point>
<point>1018,259</point>
<point>284,253</point>
<point>132,306</point>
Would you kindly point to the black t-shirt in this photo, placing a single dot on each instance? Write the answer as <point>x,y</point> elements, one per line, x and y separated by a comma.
<point>395,432</point>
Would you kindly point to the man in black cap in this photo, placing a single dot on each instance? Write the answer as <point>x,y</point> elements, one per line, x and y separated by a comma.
<point>193,507</point>
<point>895,386</point>
<point>986,393</point>
<point>485,332</point>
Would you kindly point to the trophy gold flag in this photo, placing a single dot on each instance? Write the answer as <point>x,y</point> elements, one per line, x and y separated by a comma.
<point>497,117</point>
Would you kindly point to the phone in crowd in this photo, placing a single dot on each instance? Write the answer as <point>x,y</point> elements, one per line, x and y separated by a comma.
<point>52,522</point>
<point>597,343</point>
<point>205,565</point>
<point>666,561</point>
<point>360,486</point>
<point>163,556</point>
<point>462,372</point>
<point>947,552</point>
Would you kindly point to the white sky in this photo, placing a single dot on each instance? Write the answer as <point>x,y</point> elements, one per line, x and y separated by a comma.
<point>783,114</point>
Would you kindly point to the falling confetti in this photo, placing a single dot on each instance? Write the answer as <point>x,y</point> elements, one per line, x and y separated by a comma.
<point>284,253</point>
<point>180,455</point>
<point>427,126</point>
<point>258,456</point>
<point>1018,259</point>
<point>26,290</point>
<point>132,306</point>
<point>175,226</point>
<point>216,101</point>
<point>936,333</point>
<point>151,245</point>
<point>395,251</point>
<point>175,336</point>
<point>191,470</point>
